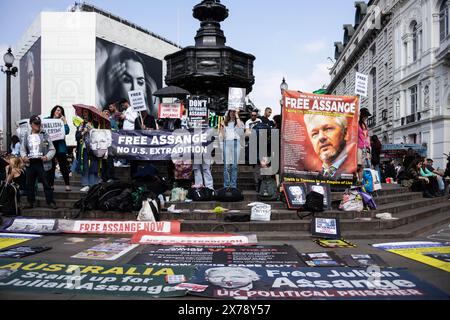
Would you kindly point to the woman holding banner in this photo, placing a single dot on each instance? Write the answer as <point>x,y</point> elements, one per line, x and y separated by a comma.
<point>231,131</point>
<point>61,150</point>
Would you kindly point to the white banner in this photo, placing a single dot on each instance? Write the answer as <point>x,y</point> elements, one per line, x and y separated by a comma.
<point>117,227</point>
<point>361,84</point>
<point>194,239</point>
<point>54,128</point>
<point>137,100</point>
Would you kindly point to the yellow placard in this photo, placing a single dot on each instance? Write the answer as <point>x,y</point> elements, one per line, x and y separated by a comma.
<point>429,256</point>
<point>8,242</point>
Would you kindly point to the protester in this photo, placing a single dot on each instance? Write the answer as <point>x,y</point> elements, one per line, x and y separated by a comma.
<point>254,120</point>
<point>427,185</point>
<point>129,115</point>
<point>389,170</point>
<point>266,117</point>
<point>145,122</point>
<point>15,146</point>
<point>108,171</point>
<point>112,120</point>
<point>88,164</point>
<point>409,158</point>
<point>376,146</point>
<point>231,131</point>
<point>429,170</point>
<point>61,151</point>
<point>363,143</point>
<point>37,151</point>
<point>116,116</point>
<point>15,173</point>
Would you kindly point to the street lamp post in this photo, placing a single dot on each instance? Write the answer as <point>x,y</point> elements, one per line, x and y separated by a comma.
<point>8,58</point>
<point>284,86</point>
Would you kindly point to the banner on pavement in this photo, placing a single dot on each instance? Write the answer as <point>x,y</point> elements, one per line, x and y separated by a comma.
<point>435,254</point>
<point>21,252</point>
<point>322,259</point>
<point>158,145</point>
<point>108,251</point>
<point>117,227</point>
<point>219,256</point>
<point>364,260</point>
<point>194,239</point>
<point>33,226</point>
<point>319,138</point>
<point>117,280</point>
<point>11,239</point>
<point>312,283</point>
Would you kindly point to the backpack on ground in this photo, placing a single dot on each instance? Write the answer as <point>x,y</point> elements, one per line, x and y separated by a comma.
<point>8,199</point>
<point>229,195</point>
<point>351,201</point>
<point>200,194</point>
<point>122,202</point>
<point>268,190</point>
<point>314,202</point>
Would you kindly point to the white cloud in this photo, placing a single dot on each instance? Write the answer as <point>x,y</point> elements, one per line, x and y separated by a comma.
<point>315,46</point>
<point>266,92</point>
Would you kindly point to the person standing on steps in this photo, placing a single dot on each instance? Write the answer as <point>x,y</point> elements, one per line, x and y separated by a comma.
<point>37,151</point>
<point>61,150</point>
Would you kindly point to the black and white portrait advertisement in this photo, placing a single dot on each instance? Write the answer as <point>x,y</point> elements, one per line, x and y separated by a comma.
<point>30,81</point>
<point>121,70</point>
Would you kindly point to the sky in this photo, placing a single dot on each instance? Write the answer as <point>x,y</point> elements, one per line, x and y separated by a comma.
<point>290,38</point>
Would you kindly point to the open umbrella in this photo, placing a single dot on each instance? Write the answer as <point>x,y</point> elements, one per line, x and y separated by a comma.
<point>96,115</point>
<point>172,92</point>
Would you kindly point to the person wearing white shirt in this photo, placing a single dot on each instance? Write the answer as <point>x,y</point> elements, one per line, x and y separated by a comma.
<point>128,116</point>
<point>253,121</point>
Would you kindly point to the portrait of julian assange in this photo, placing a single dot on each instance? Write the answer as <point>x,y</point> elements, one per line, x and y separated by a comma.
<point>121,70</point>
<point>333,144</point>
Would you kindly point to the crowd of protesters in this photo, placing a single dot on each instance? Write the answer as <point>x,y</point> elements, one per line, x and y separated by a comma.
<point>35,158</point>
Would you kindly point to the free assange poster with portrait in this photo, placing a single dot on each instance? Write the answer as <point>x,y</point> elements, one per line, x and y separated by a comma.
<point>120,70</point>
<point>30,81</point>
<point>319,138</point>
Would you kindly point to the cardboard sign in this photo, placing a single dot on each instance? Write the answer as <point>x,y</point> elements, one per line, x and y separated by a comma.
<point>144,237</point>
<point>170,111</point>
<point>361,84</point>
<point>307,153</point>
<point>328,228</point>
<point>137,100</point>
<point>332,283</point>
<point>54,128</point>
<point>364,260</point>
<point>108,251</point>
<point>219,256</point>
<point>198,108</point>
<point>236,98</point>
<point>93,279</point>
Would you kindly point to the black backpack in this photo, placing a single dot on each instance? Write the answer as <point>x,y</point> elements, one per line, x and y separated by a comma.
<point>229,195</point>
<point>200,194</point>
<point>122,202</point>
<point>268,190</point>
<point>314,202</point>
<point>8,199</point>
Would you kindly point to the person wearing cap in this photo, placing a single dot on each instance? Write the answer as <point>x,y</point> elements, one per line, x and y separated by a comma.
<point>364,149</point>
<point>37,151</point>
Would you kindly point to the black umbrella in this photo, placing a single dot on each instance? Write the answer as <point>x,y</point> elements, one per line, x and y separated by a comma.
<point>172,92</point>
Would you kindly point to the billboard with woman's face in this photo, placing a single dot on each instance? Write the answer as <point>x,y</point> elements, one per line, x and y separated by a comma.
<point>30,82</point>
<point>120,70</point>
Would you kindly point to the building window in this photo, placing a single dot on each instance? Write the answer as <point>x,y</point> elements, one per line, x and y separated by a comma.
<point>373,51</point>
<point>415,41</point>
<point>397,109</point>
<point>373,73</point>
<point>413,97</point>
<point>443,20</point>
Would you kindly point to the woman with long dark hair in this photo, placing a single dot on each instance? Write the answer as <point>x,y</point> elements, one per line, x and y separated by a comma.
<point>363,143</point>
<point>231,131</point>
<point>61,150</point>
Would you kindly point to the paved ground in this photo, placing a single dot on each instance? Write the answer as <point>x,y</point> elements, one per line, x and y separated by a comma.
<point>62,251</point>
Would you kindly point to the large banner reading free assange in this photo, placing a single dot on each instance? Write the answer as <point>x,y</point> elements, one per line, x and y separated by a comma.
<point>319,138</point>
<point>159,145</point>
